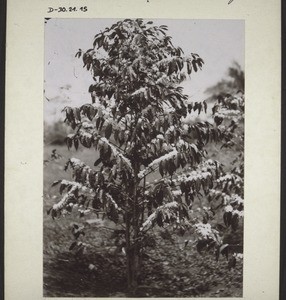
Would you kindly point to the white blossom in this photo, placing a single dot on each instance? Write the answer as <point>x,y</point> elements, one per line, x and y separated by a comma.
<point>181,143</point>
<point>75,161</point>
<point>236,199</point>
<point>149,221</point>
<point>155,162</point>
<point>228,113</point>
<point>193,176</point>
<point>206,231</point>
<point>168,109</point>
<point>238,256</point>
<point>61,204</point>
<point>139,91</point>
<point>228,208</point>
<point>109,197</point>
<point>177,193</point>
<point>237,212</point>
<point>91,267</point>
<point>203,230</point>
<point>85,134</point>
<point>87,125</point>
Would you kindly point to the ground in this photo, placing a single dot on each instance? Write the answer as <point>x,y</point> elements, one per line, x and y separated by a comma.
<point>169,269</point>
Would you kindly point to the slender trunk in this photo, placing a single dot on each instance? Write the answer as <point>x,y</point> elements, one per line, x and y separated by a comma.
<point>132,260</point>
<point>128,258</point>
<point>133,270</point>
<point>132,243</point>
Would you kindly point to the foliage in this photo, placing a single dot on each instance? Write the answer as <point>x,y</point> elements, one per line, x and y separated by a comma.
<point>136,124</point>
<point>55,134</point>
<point>232,84</point>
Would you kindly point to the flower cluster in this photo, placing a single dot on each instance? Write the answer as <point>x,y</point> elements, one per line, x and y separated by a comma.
<point>150,220</point>
<point>205,231</point>
<point>231,114</point>
<point>238,256</point>
<point>229,208</point>
<point>156,162</point>
<point>193,176</point>
<point>74,186</point>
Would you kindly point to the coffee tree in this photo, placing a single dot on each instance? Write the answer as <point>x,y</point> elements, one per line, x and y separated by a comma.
<point>136,123</point>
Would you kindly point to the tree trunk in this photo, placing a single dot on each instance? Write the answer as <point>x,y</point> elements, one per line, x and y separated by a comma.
<point>133,245</point>
<point>132,255</point>
<point>133,269</point>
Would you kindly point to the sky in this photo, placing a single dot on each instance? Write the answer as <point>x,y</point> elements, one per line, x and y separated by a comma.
<point>218,42</point>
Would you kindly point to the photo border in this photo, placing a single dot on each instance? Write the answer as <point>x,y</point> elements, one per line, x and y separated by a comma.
<point>23,268</point>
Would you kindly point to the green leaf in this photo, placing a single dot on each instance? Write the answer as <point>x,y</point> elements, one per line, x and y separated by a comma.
<point>108,131</point>
<point>220,227</point>
<point>100,178</point>
<point>205,106</point>
<point>76,113</point>
<point>97,123</point>
<point>91,112</point>
<point>171,167</point>
<point>62,188</point>
<point>76,143</point>
<point>200,106</point>
<point>227,218</point>
<point>78,54</point>
<point>159,219</point>
<point>54,213</point>
<point>172,68</point>
<point>69,142</point>
<point>194,65</point>
<point>201,244</point>
<point>189,67</point>
<point>234,222</point>
<point>161,169</point>
<point>224,250</point>
<point>56,182</point>
<point>97,162</point>
<point>72,246</point>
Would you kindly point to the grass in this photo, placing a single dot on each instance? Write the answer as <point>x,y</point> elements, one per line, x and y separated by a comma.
<point>168,270</point>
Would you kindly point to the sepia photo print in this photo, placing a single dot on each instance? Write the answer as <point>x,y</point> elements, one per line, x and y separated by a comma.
<point>143,158</point>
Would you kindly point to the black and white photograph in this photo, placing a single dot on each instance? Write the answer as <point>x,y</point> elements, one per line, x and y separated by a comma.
<point>143,163</point>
